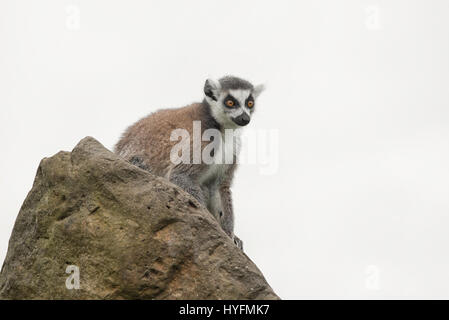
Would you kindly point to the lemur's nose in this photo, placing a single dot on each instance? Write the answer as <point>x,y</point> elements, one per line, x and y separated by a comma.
<point>242,120</point>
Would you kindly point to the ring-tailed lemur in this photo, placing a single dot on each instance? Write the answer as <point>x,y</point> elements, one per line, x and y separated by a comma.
<point>229,103</point>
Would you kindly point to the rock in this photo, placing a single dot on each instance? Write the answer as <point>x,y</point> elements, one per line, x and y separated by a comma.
<point>130,234</point>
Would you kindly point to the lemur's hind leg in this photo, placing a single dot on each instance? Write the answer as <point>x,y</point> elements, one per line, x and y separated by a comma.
<point>227,215</point>
<point>214,204</point>
<point>185,182</point>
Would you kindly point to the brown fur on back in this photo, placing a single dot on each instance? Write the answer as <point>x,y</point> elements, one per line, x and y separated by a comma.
<point>149,138</point>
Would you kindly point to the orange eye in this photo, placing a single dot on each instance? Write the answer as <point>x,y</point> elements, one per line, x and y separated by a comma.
<point>250,104</point>
<point>229,103</point>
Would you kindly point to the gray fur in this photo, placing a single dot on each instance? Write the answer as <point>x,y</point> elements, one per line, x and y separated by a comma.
<point>234,83</point>
<point>187,184</point>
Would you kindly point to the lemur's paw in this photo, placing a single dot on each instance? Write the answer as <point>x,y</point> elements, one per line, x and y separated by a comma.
<point>238,242</point>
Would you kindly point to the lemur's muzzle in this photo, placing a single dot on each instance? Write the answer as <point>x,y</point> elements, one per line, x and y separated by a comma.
<point>242,120</point>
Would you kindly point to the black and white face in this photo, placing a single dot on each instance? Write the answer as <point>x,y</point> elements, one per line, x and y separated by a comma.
<point>232,107</point>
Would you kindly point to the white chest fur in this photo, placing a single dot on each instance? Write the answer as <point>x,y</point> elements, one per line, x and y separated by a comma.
<point>225,154</point>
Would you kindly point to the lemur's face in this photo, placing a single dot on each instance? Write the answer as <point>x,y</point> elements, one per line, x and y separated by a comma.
<point>232,107</point>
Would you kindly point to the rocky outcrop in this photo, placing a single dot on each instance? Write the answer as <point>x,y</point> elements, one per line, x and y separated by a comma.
<point>124,233</point>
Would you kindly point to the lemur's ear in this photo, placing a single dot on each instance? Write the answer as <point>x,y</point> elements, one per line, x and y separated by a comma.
<point>258,90</point>
<point>212,89</point>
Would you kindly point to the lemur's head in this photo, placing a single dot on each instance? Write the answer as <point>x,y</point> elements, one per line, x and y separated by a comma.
<point>232,100</point>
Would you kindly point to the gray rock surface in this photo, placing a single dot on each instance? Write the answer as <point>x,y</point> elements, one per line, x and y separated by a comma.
<point>131,234</point>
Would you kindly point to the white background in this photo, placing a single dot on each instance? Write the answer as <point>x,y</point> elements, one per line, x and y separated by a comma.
<point>358,90</point>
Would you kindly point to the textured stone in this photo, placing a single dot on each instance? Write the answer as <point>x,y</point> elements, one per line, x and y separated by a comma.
<point>133,236</point>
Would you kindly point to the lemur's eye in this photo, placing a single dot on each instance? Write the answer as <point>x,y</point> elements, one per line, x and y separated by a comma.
<point>250,104</point>
<point>229,103</point>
